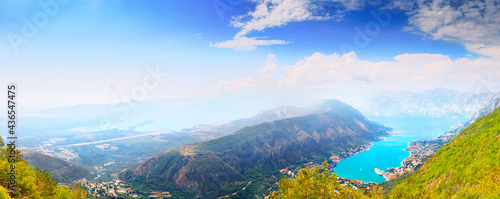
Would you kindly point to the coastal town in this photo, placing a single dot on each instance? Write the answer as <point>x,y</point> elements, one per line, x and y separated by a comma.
<point>117,189</point>
<point>335,159</point>
<point>114,188</point>
<point>420,151</point>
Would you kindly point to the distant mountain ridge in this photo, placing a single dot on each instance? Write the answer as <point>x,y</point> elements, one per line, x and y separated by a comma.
<point>486,109</point>
<point>152,116</point>
<point>493,104</point>
<point>212,131</point>
<point>228,127</point>
<point>255,154</point>
<point>434,103</point>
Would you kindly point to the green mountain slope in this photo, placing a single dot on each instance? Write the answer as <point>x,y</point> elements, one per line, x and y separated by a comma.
<point>467,167</point>
<point>30,182</point>
<point>61,170</point>
<point>254,155</point>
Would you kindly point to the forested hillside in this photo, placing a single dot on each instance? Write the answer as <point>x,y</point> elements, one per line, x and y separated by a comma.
<point>61,171</point>
<point>31,182</point>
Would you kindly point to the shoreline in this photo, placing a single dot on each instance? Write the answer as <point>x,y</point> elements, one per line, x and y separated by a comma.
<point>352,152</point>
<point>365,147</point>
<point>419,151</point>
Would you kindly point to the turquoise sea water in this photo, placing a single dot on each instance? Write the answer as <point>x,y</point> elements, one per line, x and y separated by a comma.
<point>389,152</point>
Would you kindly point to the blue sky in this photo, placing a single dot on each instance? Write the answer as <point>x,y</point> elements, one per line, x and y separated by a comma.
<point>266,52</point>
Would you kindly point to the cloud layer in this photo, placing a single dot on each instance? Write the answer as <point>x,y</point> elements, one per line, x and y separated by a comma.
<point>245,43</point>
<point>410,72</point>
<point>277,13</point>
<point>474,24</point>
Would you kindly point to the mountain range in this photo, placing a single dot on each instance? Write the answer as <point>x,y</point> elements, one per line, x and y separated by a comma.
<point>225,155</point>
<point>436,143</point>
<point>489,107</point>
<point>246,156</point>
<point>255,154</point>
<point>112,156</point>
<point>434,103</point>
<point>218,129</point>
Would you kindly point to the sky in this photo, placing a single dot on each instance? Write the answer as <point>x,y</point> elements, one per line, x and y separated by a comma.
<point>258,54</point>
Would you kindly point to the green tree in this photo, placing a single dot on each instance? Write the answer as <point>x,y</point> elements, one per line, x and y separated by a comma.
<point>31,182</point>
<point>311,183</point>
<point>79,192</point>
<point>4,194</point>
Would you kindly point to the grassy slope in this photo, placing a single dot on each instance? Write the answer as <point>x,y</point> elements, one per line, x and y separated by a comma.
<point>467,167</point>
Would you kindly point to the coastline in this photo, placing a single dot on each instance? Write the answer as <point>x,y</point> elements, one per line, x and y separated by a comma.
<point>352,152</point>
<point>335,159</point>
<point>419,151</point>
<point>355,151</point>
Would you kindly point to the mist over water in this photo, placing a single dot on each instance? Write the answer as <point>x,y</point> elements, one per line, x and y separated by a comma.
<point>389,152</point>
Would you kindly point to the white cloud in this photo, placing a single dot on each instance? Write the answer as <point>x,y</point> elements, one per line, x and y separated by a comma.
<point>275,13</point>
<point>320,68</point>
<point>415,72</point>
<point>240,84</point>
<point>278,13</point>
<point>244,43</point>
<point>409,72</point>
<point>354,4</point>
<point>475,24</point>
<point>488,50</point>
<point>269,69</point>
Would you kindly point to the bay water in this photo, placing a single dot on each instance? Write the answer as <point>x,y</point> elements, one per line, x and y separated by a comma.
<point>390,152</point>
